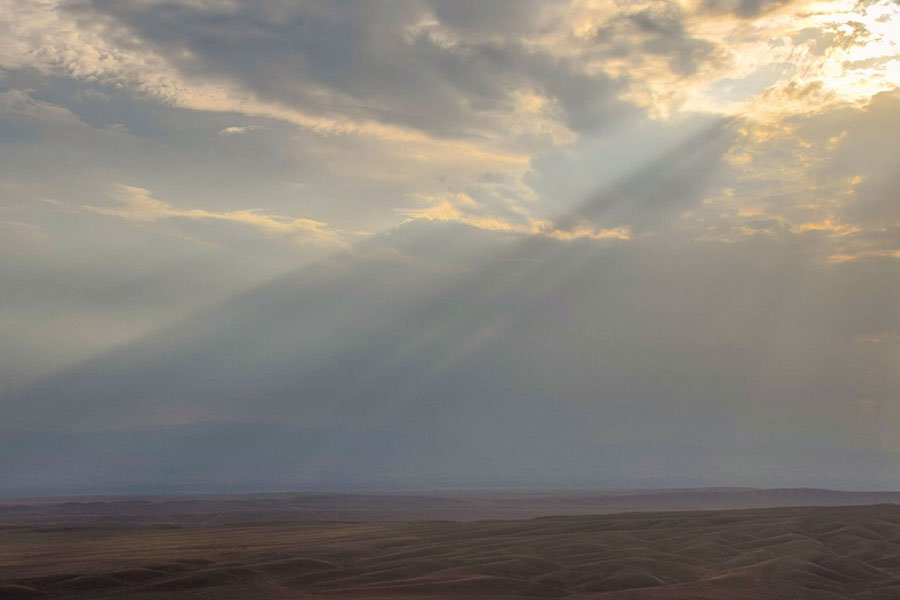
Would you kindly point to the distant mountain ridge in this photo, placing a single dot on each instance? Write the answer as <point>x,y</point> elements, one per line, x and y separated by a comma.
<point>464,505</point>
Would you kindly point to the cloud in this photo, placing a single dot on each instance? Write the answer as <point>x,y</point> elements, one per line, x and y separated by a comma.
<point>435,94</point>
<point>745,150</point>
<point>137,204</point>
<point>524,339</point>
<point>461,208</point>
<point>237,130</point>
<point>825,177</point>
<point>19,235</point>
<point>403,71</point>
<point>20,107</point>
<point>420,70</point>
<point>744,8</point>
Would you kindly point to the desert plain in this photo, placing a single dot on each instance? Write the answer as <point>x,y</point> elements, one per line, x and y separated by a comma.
<point>450,546</point>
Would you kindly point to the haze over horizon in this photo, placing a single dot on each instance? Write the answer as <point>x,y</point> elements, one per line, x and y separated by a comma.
<point>423,243</point>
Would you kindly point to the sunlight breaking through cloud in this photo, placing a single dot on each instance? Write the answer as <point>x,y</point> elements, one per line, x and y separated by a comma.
<point>502,232</point>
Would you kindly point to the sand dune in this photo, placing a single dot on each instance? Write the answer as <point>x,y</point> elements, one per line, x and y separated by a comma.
<point>792,552</point>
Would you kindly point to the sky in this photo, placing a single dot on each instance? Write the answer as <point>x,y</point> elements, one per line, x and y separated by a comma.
<point>415,244</point>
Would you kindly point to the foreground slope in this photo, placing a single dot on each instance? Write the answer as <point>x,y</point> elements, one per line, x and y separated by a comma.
<point>813,552</point>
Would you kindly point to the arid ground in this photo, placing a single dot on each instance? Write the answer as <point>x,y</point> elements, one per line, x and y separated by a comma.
<point>827,552</point>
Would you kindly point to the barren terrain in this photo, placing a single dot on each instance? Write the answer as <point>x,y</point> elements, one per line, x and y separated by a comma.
<point>789,552</point>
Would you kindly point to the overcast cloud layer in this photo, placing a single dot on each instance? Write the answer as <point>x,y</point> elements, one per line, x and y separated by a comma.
<point>408,243</point>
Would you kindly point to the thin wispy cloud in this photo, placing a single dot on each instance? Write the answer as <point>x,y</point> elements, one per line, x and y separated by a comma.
<point>239,129</point>
<point>137,204</point>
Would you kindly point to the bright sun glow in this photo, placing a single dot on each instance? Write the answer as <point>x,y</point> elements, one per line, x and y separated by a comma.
<point>871,61</point>
<point>800,58</point>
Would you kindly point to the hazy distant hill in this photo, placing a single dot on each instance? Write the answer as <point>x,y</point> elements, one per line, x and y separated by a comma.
<point>456,505</point>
